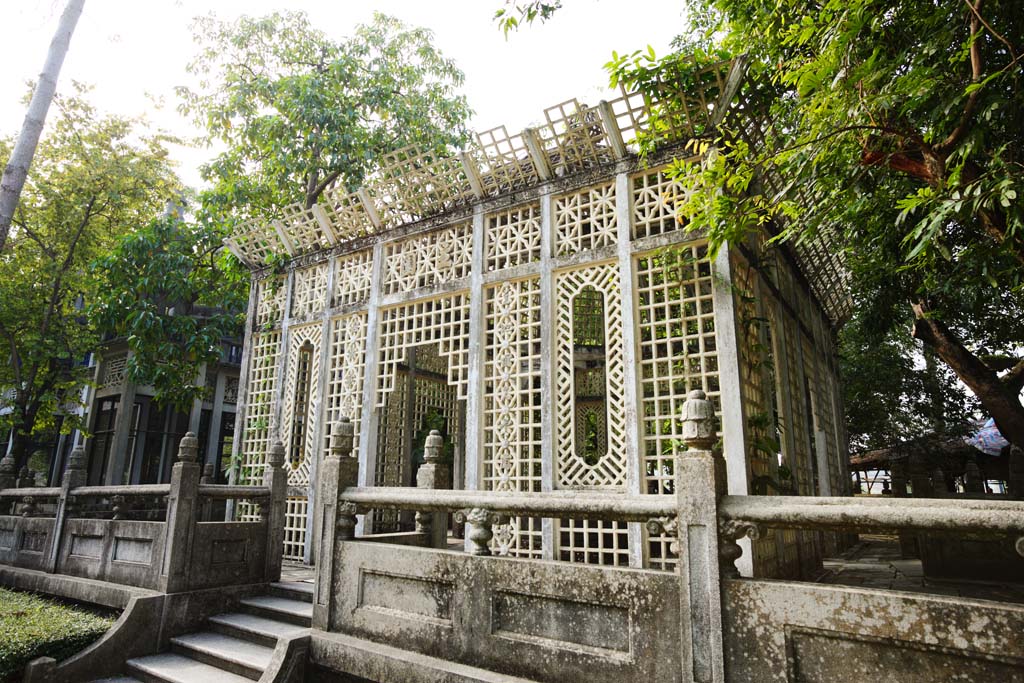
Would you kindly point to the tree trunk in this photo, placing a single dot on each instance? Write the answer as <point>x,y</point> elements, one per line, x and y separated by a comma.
<point>25,148</point>
<point>1000,403</point>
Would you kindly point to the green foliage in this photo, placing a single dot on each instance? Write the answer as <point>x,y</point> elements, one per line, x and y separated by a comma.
<point>94,179</point>
<point>300,112</point>
<point>174,294</point>
<point>34,626</point>
<point>513,14</point>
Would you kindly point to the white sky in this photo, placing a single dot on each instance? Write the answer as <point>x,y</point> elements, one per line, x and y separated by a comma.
<point>134,52</point>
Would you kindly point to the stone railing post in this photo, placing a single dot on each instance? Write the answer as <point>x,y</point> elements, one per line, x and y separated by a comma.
<point>275,478</point>
<point>182,513</point>
<point>1016,472</point>
<point>700,480</point>
<point>74,476</point>
<point>974,482</point>
<point>8,472</point>
<point>338,471</point>
<point>433,474</point>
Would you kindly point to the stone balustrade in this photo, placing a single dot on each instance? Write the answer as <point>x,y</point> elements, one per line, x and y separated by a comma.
<point>114,533</point>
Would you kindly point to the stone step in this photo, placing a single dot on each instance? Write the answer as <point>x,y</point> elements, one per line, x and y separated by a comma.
<point>170,667</point>
<point>293,590</point>
<point>252,628</point>
<point>232,654</point>
<point>281,609</point>
<point>117,679</point>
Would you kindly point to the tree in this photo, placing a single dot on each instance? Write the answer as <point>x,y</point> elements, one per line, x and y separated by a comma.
<point>94,179</point>
<point>175,295</point>
<point>901,126</point>
<point>20,158</point>
<point>300,112</point>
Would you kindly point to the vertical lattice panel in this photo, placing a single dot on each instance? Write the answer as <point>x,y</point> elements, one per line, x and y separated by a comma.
<point>512,406</point>
<point>259,411</point>
<point>309,293</point>
<point>302,390</point>
<point>295,511</point>
<point>443,321</point>
<point>678,352</point>
<point>656,199</point>
<point>344,391</point>
<point>428,260</point>
<point>352,279</point>
<point>391,461</point>
<point>513,237</point>
<point>585,220</point>
<point>609,469</point>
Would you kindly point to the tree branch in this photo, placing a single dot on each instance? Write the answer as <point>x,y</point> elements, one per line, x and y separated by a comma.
<point>954,138</point>
<point>1014,379</point>
<point>324,184</point>
<point>995,34</point>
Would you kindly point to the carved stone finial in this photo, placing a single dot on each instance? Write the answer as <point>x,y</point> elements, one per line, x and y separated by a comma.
<point>342,436</point>
<point>8,472</point>
<point>698,416</point>
<point>345,524</point>
<point>76,461</point>
<point>478,528</point>
<point>665,526</point>
<point>432,448</point>
<point>207,477</point>
<point>188,449</point>
<point>275,458</point>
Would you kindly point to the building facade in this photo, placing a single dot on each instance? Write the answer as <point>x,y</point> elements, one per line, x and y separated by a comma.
<point>539,300</point>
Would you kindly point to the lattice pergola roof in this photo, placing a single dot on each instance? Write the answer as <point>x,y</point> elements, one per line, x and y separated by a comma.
<point>411,184</point>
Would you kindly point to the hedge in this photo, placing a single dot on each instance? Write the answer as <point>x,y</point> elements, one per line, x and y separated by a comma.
<point>35,626</point>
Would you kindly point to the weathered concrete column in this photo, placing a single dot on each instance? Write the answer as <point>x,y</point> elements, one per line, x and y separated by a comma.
<point>433,474</point>
<point>337,472</point>
<point>275,478</point>
<point>74,476</point>
<point>1016,474</point>
<point>182,510</point>
<point>974,482</point>
<point>700,479</point>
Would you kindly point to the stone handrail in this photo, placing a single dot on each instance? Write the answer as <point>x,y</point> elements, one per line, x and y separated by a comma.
<point>137,490</point>
<point>49,492</point>
<point>582,505</point>
<point>234,492</point>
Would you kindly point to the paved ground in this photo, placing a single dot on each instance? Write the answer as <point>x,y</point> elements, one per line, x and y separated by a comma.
<point>875,562</point>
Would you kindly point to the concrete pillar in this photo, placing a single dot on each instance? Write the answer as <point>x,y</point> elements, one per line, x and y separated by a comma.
<point>700,478</point>
<point>339,471</point>
<point>119,454</point>
<point>275,478</point>
<point>182,510</point>
<point>433,474</point>
<point>74,476</point>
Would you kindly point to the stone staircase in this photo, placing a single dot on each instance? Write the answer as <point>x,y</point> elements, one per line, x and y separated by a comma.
<point>236,647</point>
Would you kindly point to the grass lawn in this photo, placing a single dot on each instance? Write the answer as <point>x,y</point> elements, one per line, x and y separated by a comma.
<point>35,626</point>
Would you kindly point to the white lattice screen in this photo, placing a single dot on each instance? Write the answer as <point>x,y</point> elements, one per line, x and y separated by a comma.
<point>352,279</point>
<point>512,455</point>
<point>655,198</point>
<point>295,514</point>
<point>585,220</point>
<point>310,295</point>
<point>307,420</point>
<point>593,542</point>
<point>572,470</point>
<point>259,411</point>
<point>428,260</point>
<point>344,393</point>
<point>270,293</point>
<point>513,237</point>
<point>443,321</point>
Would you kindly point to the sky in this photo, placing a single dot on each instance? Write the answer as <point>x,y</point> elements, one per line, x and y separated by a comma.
<point>134,52</point>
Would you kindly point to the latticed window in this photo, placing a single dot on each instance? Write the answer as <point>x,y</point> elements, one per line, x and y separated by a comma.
<point>303,379</point>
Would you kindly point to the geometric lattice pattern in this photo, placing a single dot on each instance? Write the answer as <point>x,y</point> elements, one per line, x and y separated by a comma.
<point>310,294</point>
<point>352,279</point>
<point>513,237</point>
<point>512,455</point>
<point>259,410</point>
<point>443,321</point>
<point>585,220</point>
<point>593,542</point>
<point>655,201</point>
<point>678,352</point>
<point>303,366</point>
<point>430,259</point>
<point>114,369</point>
<point>295,516</point>
<point>572,470</point>
<point>344,392</point>
<point>270,294</point>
